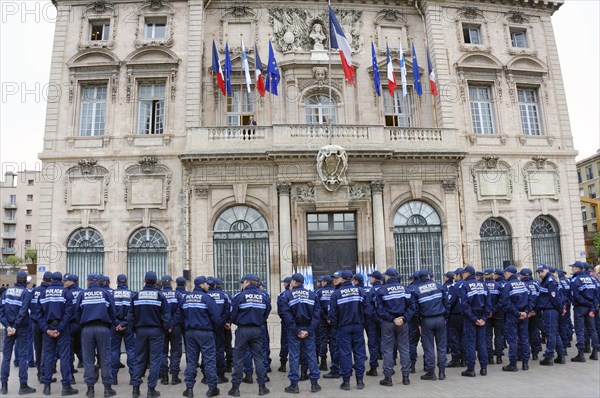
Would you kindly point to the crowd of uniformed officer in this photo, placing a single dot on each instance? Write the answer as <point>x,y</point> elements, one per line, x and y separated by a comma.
<point>472,315</point>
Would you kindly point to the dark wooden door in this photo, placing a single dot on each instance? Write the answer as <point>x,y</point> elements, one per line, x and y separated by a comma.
<point>328,256</point>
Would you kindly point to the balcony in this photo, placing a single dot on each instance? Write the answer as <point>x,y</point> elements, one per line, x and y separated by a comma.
<point>8,235</point>
<point>9,221</point>
<point>10,205</point>
<point>289,138</point>
<point>9,250</point>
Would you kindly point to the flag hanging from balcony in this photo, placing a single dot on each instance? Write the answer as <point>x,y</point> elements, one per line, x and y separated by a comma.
<point>390,73</point>
<point>217,70</point>
<point>227,69</point>
<point>416,74</point>
<point>260,83</point>
<point>376,80</point>
<point>245,66</point>
<point>432,82</point>
<point>338,40</point>
<point>273,75</point>
<point>403,71</point>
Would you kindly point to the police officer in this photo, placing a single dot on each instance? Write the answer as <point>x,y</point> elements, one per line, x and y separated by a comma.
<point>395,307</point>
<point>122,297</point>
<point>38,334</point>
<point>585,303</point>
<point>95,311</point>
<point>565,324</point>
<point>535,341</point>
<point>70,281</point>
<point>283,350</point>
<point>373,324</point>
<point>301,312</point>
<point>475,304</point>
<point>514,299</point>
<point>325,330</point>
<point>223,304</point>
<point>150,319</point>
<point>491,324</point>
<point>430,299</point>
<point>550,303</point>
<point>180,283</point>
<point>334,372</point>
<point>200,317</point>
<point>414,325</point>
<point>448,282</point>
<point>173,339</point>
<point>249,311</point>
<point>14,316</point>
<point>456,335</point>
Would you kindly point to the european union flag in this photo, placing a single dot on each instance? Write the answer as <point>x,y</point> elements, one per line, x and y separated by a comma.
<point>416,74</point>
<point>227,69</point>
<point>376,79</point>
<point>273,75</point>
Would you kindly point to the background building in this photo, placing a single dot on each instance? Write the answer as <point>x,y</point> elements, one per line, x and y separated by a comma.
<point>588,176</point>
<point>149,166</point>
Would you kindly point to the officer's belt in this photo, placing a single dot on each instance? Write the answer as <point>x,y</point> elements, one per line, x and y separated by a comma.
<point>54,322</point>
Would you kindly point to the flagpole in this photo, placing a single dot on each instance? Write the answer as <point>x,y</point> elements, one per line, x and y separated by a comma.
<point>329,132</point>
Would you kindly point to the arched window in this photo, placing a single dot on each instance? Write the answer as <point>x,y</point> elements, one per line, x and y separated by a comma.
<point>545,242</point>
<point>417,239</point>
<point>495,243</point>
<point>320,109</point>
<point>241,246</point>
<point>146,251</point>
<point>85,253</point>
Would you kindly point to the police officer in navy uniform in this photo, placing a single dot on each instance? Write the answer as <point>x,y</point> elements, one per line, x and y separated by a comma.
<point>494,337</point>
<point>431,301</point>
<point>535,341</point>
<point>585,303</point>
<point>95,311</point>
<point>173,340</point>
<point>14,316</point>
<point>301,311</point>
<point>223,303</point>
<point>455,318</point>
<point>150,319</point>
<point>514,299</point>
<point>38,334</point>
<point>122,297</point>
<point>550,303</point>
<point>475,304</point>
<point>56,311</point>
<point>283,347</point>
<point>373,324</point>
<point>325,329</point>
<point>249,311</point>
<point>200,316</point>
<point>565,323</point>
<point>70,281</point>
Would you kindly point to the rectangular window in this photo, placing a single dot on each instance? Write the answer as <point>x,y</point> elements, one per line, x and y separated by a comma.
<point>398,110</point>
<point>92,111</point>
<point>11,215</point>
<point>318,222</point>
<point>589,172</point>
<point>9,228</point>
<point>583,213</point>
<point>592,191</point>
<point>593,211</point>
<point>579,176</point>
<point>481,109</point>
<point>27,227</point>
<point>240,106</point>
<point>30,197</point>
<point>27,242</point>
<point>472,34</point>
<point>155,29</point>
<point>581,192</point>
<point>151,108</point>
<point>99,30</point>
<point>530,111</point>
<point>12,200</point>
<point>29,212</point>
<point>29,182</point>
<point>518,38</point>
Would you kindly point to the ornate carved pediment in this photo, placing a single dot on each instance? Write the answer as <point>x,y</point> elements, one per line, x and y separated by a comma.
<point>236,21</point>
<point>160,11</point>
<point>517,17</point>
<point>86,186</point>
<point>101,12</point>
<point>147,184</point>
<point>391,25</point>
<point>471,13</point>
<point>492,179</point>
<point>541,179</point>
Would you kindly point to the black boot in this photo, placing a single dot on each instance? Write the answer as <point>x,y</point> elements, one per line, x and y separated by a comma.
<point>525,366</point>
<point>47,389</point>
<point>579,358</point>
<point>164,379</point>
<point>108,391</point>
<point>282,367</point>
<point>534,356</point>
<point>152,393</point>
<point>594,356</point>
<point>222,379</point>
<point>360,384</point>
<point>4,389</point>
<point>304,375</point>
<point>90,393</point>
<point>323,365</point>
<point>483,371</point>
<point>511,367</point>
<point>263,390</point>
<point>25,389</point>
<point>345,385</point>
<point>189,393</point>
<point>135,393</point>
<point>588,349</point>
<point>468,373</point>
<point>547,361</point>
<point>175,379</point>
<point>430,375</point>
<point>386,381</point>
<point>405,380</point>
<point>560,359</point>
<point>498,360</point>
<point>453,364</point>
<point>331,375</point>
<point>292,389</point>
<point>413,368</point>
<point>234,391</point>
<point>442,374</point>
<point>372,372</point>
<point>248,379</point>
<point>68,390</point>
<point>314,386</point>
<point>213,392</point>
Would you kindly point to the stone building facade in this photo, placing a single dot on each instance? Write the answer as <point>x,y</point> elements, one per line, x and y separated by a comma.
<point>148,166</point>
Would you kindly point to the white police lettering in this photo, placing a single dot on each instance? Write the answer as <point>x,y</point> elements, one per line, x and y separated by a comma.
<point>517,285</point>
<point>95,294</point>
<point>75,293</point>
<point>395,289</point>
<point>586,280</point>
<point>122,294</point>
<point>54,292</point>
<point>168,293</point>
<point>300,293</point>
<point>194,298</point>
<point>14,291</point>
<point>350,291</point>
<point>476,286</point>
<point>430,287</point>
<point>327,293</point>
<point>147,295</point>
<point>254,298</point>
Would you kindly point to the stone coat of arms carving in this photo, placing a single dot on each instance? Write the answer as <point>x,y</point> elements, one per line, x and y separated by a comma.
<point>332,164</point>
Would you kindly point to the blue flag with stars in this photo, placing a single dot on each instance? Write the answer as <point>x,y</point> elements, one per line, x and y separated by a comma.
<point>376,79</point>
<point>416,74</point>
<point>273,75</point>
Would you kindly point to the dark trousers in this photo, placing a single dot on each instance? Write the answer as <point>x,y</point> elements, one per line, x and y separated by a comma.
<point>456,338</point>
<point>517,337</point>
<point>351,344</point>
<point>335,353</point>
<point>19,342</point>
<point>394,337</point>
<point>583,324</point>
<point>228,347</point>
<point>75,331</point>
<point>248,338</point>
<point>283,351</point>
<point>116,338</point>
<point>220,349</point>
<point>434,328</point>
<point>565,326</point>
<point>494,328</point>
<point>96,339</point>
<point>326,343</point>
<point>305,346</point>
<point>475,341</point>
<point>200,342</point>
<point>553,340</point>
<point>148,353</point>
<point>52,347</point>
<point>535,340</point>
<point>374,341</point>
<point>38,338</point>
<point>414,335</point>
<point>171,364</point>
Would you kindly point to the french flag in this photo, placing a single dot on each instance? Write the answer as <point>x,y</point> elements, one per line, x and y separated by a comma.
<point>432,82</point>
<point>216,67</point>
<point>390,74</point>
<point>260,82</point>
<point>337,39</point>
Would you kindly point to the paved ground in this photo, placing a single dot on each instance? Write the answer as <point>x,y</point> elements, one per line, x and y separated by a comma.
<point>570,380</point>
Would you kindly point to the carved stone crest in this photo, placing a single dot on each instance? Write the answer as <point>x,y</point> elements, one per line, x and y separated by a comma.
<point>147,164</point>
<point>540,162</point>
<point>491,162</point>
<point>87,165</point>
<point>517,17</point>
<point>332,164</point>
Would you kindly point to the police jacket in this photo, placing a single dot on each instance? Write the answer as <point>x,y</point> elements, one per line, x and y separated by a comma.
<point>323,296</point>
<point>394,300</point>
<point>173,299</point>
<point>583,291</point>
<point>534,291</point>
<point>493,288</point>
<point>56,307</point>
<point>198,311</point>
<point>514,297</point>
<point>34,307</point>
<point>75,291</point>
<point>250,307</point>
<point>550,294</point>
<point>453,300</point>
<point>280,305</point>
<point>430,298</point>
<point>122,296</point>
<point>14,308</point>
<point>149,309</point>
<point>566,285</point>
<point>223,303</point>
<point>300,309</point>
<point>474,300</point>
<point>181,289</point>
<point>348,305</point>
<point>95,306</point>
<point>372,296</point>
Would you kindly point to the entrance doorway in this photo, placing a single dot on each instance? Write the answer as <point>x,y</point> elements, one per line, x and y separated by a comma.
<point>331,242</point>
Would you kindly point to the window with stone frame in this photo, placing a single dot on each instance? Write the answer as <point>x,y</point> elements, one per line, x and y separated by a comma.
<point>99,30</point>
<point>482,109</point>
<point>398,109</point>
<point>92,110</point>
<point>472,33</point>
<point>518,37</point>
<point>151,108</point>
<point>529,110</point>
<point>320,109</point>
<point>240,105</point>
<point>155,28</point>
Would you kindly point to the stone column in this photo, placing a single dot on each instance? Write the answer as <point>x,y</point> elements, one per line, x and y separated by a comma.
<point>285,228</point>
<point>378,224</point>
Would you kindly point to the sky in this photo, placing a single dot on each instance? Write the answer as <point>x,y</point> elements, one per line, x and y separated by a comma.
<point>26,38</point>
